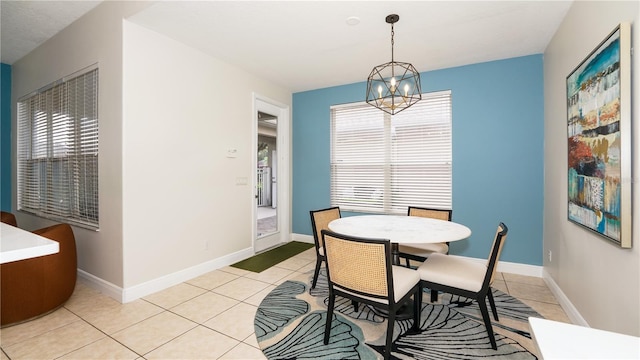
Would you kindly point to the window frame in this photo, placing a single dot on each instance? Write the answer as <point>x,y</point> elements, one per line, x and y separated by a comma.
<point>393,175</point>
<point>58,150</point>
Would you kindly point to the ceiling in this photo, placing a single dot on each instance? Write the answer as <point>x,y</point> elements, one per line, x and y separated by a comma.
<point>304,45</point>
<point>26,24</point>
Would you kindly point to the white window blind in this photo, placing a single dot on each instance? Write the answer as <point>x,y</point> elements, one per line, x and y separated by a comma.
<point>58,151</point>
<point>383,164</point>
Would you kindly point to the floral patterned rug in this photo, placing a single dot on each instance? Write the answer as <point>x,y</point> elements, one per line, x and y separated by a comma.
<point>289,324</point>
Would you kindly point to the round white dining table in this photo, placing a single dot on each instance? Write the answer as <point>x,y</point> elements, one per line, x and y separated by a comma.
<point>400,229</point>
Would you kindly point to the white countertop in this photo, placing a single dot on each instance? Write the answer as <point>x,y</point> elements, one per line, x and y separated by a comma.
<point>17,244</point>
<point>400,229</point>
<point>557,340</point>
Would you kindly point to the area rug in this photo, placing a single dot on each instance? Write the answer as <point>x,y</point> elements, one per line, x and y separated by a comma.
<point>289,324</point>
<point>267,259</point>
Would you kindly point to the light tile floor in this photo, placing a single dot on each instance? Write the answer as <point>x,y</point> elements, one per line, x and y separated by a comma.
<point>209,317</point>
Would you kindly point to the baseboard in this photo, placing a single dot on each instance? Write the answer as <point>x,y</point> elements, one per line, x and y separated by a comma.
<point>511,267</point>
<point>96,283</point>
<point>302,238</point>
<point>164,282</point>
<point>503,266</point>
<point>520,269</point>
<point>563,300</point>
<point>125,295</point>
<point>135,292</point>
<point>539,271</point>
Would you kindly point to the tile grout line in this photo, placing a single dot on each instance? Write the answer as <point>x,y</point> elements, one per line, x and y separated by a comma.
<point>93,342</point>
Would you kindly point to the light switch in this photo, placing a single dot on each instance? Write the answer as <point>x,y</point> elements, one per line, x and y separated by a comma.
<point>241,180</point>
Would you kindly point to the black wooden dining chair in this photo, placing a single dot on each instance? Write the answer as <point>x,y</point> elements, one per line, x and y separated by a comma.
<point>420,252</point>
<point>464,277</point>
<point>361,270</point>
<point>320,220</point>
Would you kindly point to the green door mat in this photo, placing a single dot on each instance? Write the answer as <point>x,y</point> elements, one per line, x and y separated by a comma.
<point>261,262</point>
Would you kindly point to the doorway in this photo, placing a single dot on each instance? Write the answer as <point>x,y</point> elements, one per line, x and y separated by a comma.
<point>271,177</point>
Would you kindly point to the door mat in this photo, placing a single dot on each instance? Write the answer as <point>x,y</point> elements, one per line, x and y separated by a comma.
<point>265,260</point>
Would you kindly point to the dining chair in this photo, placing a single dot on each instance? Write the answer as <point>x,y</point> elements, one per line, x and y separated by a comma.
<point>362,270</point>
<point>420,252</point>
<point>320,220</point>
<point>464,277</point>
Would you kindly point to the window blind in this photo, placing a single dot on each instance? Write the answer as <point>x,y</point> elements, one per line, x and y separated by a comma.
<point>58,151</point>
<point>383,164</point>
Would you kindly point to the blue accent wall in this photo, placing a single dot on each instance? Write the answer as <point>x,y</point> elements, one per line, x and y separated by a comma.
<point>5,138</point>
<point>498,130</point>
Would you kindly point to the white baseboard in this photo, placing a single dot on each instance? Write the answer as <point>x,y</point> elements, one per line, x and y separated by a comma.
<point>302,238</point>
<point>164,282</point>
<point>511,267</point>
<point>503,266</point>
<point>98,284</point>
<point>563,300</point>
<point>539,271</point>
<point>138,291</point>
<point>135,292</point>
<point>520,269</point>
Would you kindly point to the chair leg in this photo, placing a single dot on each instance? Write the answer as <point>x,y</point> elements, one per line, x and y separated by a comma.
<point>482,304</point>
<point>316,273</point>
<point>327,326</point>
<point>417,309</point>
<point>355,305</point>
<point>434,295</point>
<point>493,305</point>
<point>389,342</point>
<point>407,261</point>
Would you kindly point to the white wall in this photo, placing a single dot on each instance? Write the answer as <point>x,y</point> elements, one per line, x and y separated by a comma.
<point>182,110</point>
<point>94,38</point>
<point>169,203</point>
<point>601,280</point>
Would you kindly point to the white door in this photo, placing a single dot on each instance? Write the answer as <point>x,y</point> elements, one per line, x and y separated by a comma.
<point>271,144</point>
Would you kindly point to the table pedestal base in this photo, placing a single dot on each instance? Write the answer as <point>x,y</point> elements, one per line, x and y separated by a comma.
<point>405,312</point>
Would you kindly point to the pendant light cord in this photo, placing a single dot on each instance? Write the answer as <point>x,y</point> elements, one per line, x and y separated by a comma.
<point>392,33</point>
<point>393,72</point>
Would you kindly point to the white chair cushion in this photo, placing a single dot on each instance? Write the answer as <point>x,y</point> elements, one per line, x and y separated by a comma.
<point>403,280</point>
<point>453,271</point>
<point>424,250</point>
<point>321,251</point>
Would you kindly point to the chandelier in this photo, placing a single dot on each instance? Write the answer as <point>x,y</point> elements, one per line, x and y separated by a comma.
<point>393,86</point>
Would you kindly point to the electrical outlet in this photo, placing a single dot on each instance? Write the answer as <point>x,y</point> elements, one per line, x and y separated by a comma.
<point>549,253</point>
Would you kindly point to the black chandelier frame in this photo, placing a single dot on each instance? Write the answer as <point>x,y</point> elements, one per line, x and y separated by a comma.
<point>393,86</point>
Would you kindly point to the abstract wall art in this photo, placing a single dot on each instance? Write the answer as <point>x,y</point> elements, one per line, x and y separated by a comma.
<point>599,139</point>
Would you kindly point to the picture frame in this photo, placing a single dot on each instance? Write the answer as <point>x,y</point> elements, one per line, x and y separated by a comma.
<point>599,139</point>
